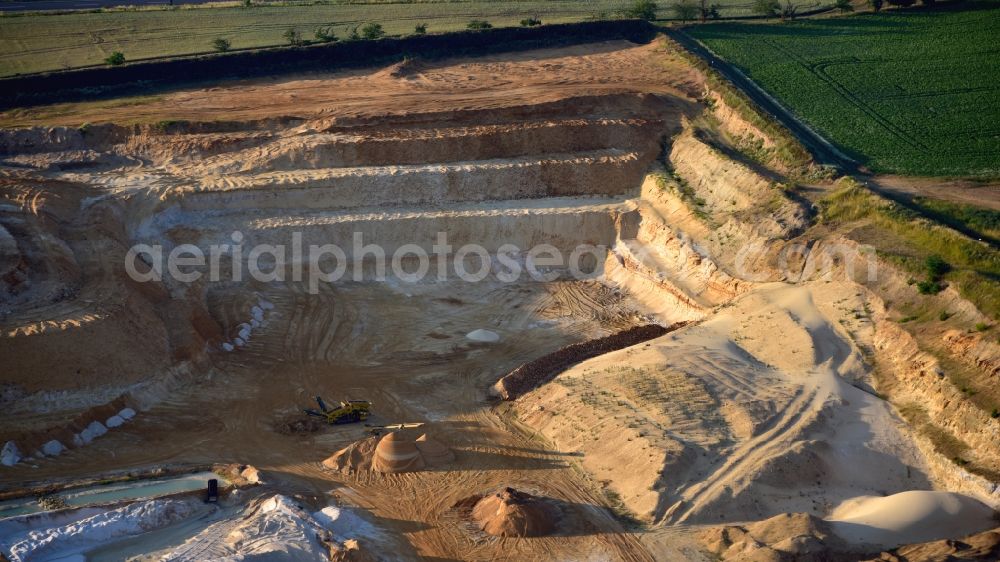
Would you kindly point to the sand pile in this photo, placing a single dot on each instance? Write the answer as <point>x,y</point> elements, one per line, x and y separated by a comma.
<point>355,457</point>
<point>510,513</point>
<point>275,529</point>
<point>405,68</point>
<point>485,336</point>
<point>788,536</point>
<point>910,517</point>
<point>239,475</point>
<point>434,452</point>
<point>394,452</point>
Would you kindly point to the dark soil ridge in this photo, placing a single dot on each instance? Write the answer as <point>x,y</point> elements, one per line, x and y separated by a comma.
<point>539,371</point>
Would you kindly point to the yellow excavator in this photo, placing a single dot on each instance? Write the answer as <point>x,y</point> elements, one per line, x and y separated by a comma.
<point>350,411</point>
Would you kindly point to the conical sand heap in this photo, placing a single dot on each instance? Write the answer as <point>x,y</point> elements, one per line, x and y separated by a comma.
<point>355,457</point>
<point>510,513</point>
<point>396,454</point>
<point>433,451</point>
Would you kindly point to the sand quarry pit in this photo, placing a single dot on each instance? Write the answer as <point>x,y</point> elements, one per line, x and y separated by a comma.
<point>706,421</point>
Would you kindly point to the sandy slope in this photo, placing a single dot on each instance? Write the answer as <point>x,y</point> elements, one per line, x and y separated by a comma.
<point>724,422</point>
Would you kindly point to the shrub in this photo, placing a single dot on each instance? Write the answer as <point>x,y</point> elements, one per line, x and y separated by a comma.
<point>372,31</point>
<point>844,6</point>
<point>641,10</point>
<point>115,59</point>
<point>936,266</point>
<point>902,3</point>
<point>221,45</point>
<point>944,315</point>
<point>530,22</point>
<point>929,287</point>
<point>292,36</point>
<point>354,36</point>
<point>711,12</point>
<point>166,125</point>
<point>685,10</point>
<point>982,326</point>
<point>325,34</point>
<point>479,25</point>
<point>420,29</point>
<point>766,8</point>
<point>995,413</point>
<point>876,5</point>
<point>788,11</point>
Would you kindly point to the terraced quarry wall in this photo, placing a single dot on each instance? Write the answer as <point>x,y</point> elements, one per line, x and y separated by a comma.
<point>559,174</point>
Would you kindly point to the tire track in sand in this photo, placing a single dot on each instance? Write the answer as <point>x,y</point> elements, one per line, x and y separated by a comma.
<point>750,455</point>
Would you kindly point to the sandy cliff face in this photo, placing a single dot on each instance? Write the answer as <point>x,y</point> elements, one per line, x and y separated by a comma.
<point>915,379</point>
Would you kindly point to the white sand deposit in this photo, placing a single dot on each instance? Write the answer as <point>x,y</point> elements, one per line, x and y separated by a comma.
<point>276,529</point>
<point>910,517</point>
<point>245,329</point>
<point>53,448</point>
<point>91,432</point>
<point>483,336</point>
<point>345,524</point>
<point>10,455</point>
<point>59,536</point>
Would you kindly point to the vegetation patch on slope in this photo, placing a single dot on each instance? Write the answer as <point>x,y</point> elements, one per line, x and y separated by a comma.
<point>917,244</point>
<point>977,221</point>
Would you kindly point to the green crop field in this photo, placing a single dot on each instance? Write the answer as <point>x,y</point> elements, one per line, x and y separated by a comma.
<point>40,42</point>
<point>913,92</point>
